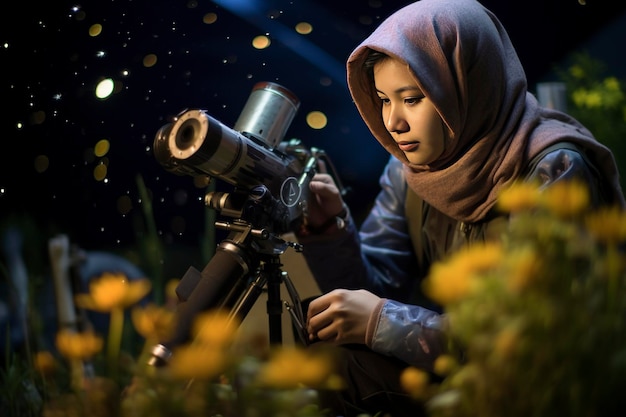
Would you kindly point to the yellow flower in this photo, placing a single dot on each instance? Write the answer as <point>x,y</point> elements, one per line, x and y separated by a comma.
<point>607,225</point>
<point>612,84</point>
<point>152,321</point>
<point>506,342</point>
<point>415,382</point>
<point>524,267</point>
<point>445,364</point>
<point>480,257</point>
<point>291,367</point>
<point>112,291</point>
<point>577,71</point>
<point>171,298</point>
<point>44,363</point>
<point>216,328</point>
<point>585,98</point>
<point>198,361</point>
<point>73,345</point>
<point>446,284</point>
<point>518,197</point>
<point>566,198</point>
<point>450,281</point>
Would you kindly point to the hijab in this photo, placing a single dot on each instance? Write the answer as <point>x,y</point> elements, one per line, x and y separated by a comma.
<point>463,60</point>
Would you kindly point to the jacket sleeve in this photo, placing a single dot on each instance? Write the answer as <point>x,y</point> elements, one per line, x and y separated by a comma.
<point>411,333</point>
<point>566,162</point>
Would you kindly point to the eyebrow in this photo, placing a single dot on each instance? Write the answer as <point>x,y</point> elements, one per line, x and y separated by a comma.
<point>403,89</point>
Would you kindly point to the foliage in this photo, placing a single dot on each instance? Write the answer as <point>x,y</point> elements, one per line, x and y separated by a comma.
<point>598,101</point>
<point>218,372</point>
<point>539,316</point>
<point>19,396</point>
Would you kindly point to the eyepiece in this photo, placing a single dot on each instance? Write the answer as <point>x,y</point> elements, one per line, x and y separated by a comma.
<point>187,135</point>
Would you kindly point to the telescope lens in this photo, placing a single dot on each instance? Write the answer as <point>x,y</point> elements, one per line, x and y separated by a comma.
<point>187,134</point>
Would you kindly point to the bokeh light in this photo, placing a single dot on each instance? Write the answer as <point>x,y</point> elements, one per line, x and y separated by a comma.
<point>261,42</point>
<point>209,18</point>
<point>102,147</point>
<point>304,28</point>
<point>124,205</point>
<point>41,163</point>
<point>105,88</point>
<point>316,120</point>
<point>95,29</point>
<point>100,172</point>
<point>149,60</point>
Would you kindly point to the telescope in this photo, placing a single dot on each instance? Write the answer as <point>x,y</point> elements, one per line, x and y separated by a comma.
<point>270,177</point>
<point>252,157</point>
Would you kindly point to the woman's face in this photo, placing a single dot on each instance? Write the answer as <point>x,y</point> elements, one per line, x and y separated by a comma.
<point>410,118</point>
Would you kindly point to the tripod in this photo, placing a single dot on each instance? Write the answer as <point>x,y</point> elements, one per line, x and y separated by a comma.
<point>245,263</point>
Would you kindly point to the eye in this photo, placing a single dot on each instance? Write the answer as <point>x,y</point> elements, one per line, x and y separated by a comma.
<point>412,100</point>
<point>384,100</point>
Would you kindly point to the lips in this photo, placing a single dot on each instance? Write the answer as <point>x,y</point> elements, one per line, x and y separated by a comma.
<point>408,146</point>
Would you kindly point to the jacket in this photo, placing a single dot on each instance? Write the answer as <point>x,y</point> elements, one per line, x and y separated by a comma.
<point>381,255</point>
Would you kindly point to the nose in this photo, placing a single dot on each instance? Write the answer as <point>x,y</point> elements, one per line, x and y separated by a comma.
<point>394,120</point>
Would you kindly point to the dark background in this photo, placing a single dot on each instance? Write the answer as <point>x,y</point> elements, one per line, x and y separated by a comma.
<point>51,66</point>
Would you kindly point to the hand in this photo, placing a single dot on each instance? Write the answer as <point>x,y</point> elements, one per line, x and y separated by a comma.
<point>325,200</point>
<point>341,316</point>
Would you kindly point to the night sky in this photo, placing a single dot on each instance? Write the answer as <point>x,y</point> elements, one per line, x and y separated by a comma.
<point>166,56</point>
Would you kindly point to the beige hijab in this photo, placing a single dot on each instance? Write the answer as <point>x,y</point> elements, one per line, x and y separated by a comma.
<point>464,62</point>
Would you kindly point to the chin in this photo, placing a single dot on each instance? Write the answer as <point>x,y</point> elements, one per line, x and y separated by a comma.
<point>416,160</point>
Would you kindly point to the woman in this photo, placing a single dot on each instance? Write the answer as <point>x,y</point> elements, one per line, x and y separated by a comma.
<point>440,86</point>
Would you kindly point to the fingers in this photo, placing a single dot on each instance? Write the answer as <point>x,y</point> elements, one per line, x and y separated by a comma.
<point>318,318</point>
<point>315,306</point>
<point>341,316</point>
<point>324,185</point>
<point>326,316</point>
<point>327,195</point>
<point>325,178</point>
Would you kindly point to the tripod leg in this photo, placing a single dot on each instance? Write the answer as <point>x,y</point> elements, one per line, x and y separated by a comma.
<point>249,298</point>
<point>274,310</point>
<point>211,286</point>
<point>295,297</point>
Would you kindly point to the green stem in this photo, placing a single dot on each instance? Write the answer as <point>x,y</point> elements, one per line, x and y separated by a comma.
<point>76,370</point>
<point>116,326</point>
<point>613,267</point>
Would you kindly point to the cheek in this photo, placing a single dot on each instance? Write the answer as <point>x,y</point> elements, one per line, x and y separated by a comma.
<point>436,131</point>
